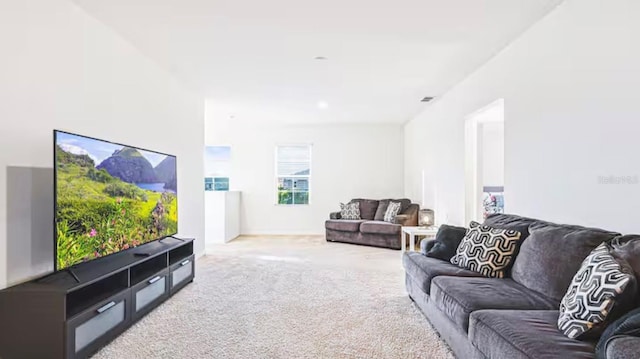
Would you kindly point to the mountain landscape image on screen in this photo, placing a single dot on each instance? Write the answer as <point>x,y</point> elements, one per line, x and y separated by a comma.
<point>110,198</point>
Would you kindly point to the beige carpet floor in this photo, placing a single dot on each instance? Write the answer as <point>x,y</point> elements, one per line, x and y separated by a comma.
<point>286,297</point>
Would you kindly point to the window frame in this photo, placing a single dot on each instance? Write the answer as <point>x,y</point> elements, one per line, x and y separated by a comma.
<point>277,175</point>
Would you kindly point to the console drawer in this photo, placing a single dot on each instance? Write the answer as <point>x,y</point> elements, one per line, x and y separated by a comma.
<point>147,294</point>
<point>182,273</point>
<point>96,326</point>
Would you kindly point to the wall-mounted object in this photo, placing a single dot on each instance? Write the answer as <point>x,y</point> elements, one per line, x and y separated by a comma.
<point>208,184</point>
<point>221,184</point>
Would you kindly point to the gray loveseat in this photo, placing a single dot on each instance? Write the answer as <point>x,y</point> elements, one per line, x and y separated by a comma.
<point>515,317</point>
<point>372,230</point>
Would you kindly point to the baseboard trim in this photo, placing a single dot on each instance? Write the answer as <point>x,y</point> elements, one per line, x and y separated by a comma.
<point>291,234</point>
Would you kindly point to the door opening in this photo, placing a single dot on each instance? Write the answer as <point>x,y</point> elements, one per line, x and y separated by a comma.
<point>484,162</point>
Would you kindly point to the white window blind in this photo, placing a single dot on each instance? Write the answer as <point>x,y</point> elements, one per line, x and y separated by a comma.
<point>293,174</point>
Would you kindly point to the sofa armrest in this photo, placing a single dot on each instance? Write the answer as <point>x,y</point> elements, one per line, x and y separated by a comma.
<point>335,215</point>
<point>409,217</point>
<point>426,244</point>
<point>403,220</point>
<point>623,347</point>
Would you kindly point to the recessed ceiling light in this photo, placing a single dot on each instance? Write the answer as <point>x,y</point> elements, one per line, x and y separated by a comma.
<point>320,58</point>
<point>323,105</point>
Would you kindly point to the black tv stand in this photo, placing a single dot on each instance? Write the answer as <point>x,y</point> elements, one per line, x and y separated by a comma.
<point>46,317</point>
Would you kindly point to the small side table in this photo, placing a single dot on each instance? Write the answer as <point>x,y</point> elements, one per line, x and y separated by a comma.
<point>427,232</point>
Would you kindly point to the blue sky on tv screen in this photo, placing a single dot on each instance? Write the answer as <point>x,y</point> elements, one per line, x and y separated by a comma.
<point>98,150</point>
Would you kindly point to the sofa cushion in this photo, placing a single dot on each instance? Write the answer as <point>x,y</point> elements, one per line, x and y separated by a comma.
<point>623,347</point>
<point>377,227</point>
<point>404,204</point>
<point>514,222</point>
<point>602,291</point>
<point>552,254</point>
<point>628,248</point>
<point>446,243</point>
<point>487,250</point>
<point>510,221</point>
<point>458,297</point>
<point>424,269</point>
<point>343,225</point>
<point>368,207</point>
<point>516,334</point>
<point>628,325</point>
<point>382,207</point>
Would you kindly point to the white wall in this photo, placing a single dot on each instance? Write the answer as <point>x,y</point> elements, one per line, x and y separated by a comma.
<point>492,153</point>
<point>348,161</point>
<point>570,86</point>
<point>60,68</point>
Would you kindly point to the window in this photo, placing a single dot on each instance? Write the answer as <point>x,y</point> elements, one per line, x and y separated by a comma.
<point>293,174</point>
<point>217,168</point>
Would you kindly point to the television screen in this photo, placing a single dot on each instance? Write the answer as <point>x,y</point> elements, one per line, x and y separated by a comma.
<point>110,197</point>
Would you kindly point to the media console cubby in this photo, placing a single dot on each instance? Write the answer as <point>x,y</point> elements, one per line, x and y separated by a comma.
<point>58,317</point>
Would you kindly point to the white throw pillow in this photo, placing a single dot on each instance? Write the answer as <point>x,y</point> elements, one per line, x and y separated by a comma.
<point>601,284</point>
<point>392,212</point>
<point>350,210</point>
<point>487,250</point>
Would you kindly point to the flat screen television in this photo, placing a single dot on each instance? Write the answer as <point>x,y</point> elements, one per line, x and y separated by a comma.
<point>110,197</point>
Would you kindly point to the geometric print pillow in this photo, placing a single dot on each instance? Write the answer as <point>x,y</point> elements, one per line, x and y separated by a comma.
<point>487,250</point>
<point>392,212</point>
<point>350,210</point>
<point>601,290</point>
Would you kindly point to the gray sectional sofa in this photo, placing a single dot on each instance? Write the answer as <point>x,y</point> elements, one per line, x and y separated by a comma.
<point>372,230</point>
<point>515,317</point>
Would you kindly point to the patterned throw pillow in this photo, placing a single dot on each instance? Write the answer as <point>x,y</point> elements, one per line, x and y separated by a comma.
<point>392,212</point>
<point>601,290</point>
<point>350,210</point>
<point>487,250</point>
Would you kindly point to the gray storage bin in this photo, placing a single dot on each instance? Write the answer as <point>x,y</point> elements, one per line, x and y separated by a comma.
<point>151,292</point>
<point>182,273</point>
<point>110,316</point>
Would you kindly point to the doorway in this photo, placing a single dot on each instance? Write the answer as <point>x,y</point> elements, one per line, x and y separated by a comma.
<point>484,162</point>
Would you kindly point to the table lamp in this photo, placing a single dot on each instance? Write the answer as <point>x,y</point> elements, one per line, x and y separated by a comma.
<point>426,218</point>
